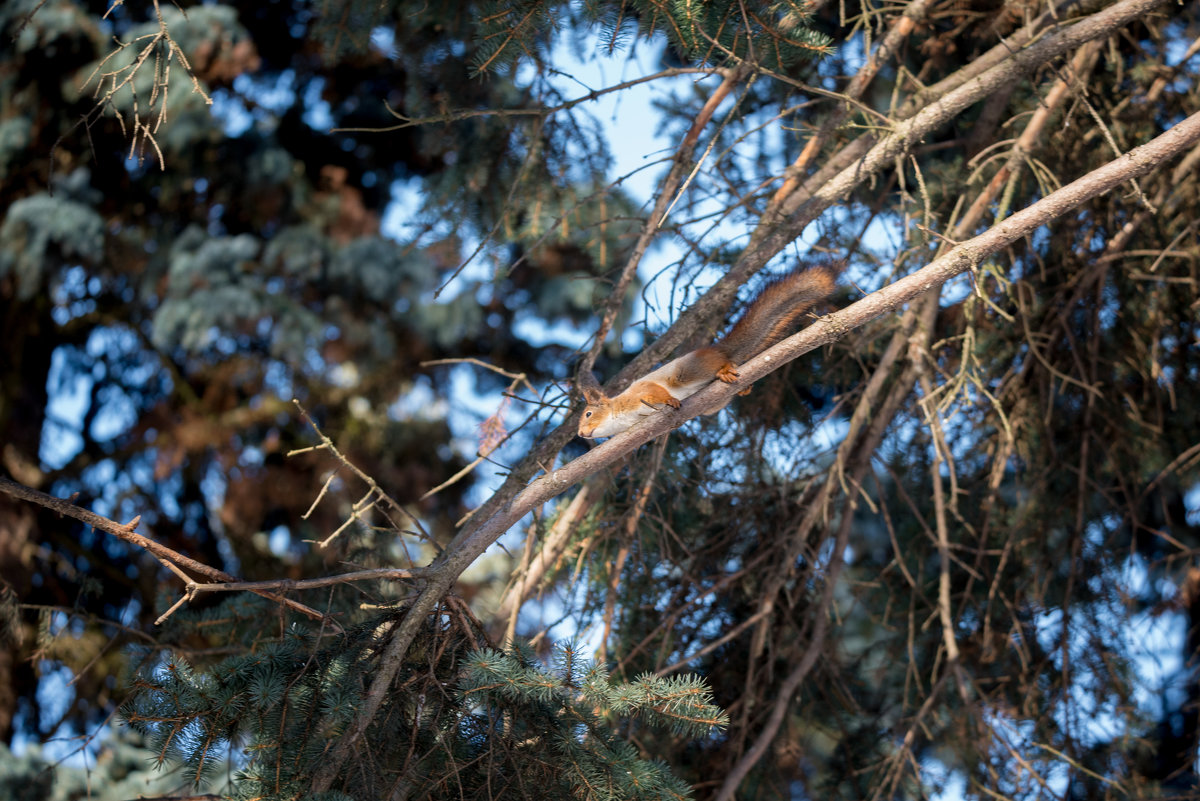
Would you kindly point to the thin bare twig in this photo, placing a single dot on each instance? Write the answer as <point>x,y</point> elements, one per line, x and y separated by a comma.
<point>285,585</point>
<point>546,111</point>
<point>371,499</point>
<point>666,192</point>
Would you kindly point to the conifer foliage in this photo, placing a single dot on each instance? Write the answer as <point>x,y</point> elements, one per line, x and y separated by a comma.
<point>775,35</point>
<point>474,721</point>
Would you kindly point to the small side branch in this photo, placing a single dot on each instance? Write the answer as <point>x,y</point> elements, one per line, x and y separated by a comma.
<point>127,533</point>
<point>369,501</point>
<point>285,585</point>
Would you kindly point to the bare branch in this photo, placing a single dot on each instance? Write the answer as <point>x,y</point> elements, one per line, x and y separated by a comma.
<point>369,501</point>
<point>127,532</point>
<point>540,111</point>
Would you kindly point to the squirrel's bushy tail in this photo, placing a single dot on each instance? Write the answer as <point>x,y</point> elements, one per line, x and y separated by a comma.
<point>774,312</point>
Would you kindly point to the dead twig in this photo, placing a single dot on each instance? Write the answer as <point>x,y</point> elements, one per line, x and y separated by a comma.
<point>369,501</point>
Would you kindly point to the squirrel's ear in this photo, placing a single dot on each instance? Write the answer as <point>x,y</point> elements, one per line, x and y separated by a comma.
<point>589,387</point>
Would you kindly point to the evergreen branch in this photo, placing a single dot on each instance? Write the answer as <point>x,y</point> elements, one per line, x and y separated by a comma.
<point>512,501</point>
<point>1046,482</point>
<point>491,51</point>
<point>548,702</point>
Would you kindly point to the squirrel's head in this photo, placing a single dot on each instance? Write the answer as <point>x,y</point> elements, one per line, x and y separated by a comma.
<point>597,412</point>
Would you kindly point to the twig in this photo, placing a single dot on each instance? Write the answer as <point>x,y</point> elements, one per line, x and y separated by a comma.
<point>518,378</point>
<point>374,574</point>
<point>712,142</point>
<point>617,566</point>
<point>367,502</point>
<point>485,447</point>
<point>650,228</point>
<point>862,79</point>
<point>812,651</point>
<point>941,455</point>
<point>141,131</point>
<point>531,573</point>
<point>467,114</point>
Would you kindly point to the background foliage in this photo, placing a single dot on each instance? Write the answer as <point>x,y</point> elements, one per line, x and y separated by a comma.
<point>955,551</point>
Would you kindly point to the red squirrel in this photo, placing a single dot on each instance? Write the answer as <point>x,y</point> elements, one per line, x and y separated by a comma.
<point>766,321</point>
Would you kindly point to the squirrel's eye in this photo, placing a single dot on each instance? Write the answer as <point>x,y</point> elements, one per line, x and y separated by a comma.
<point>587,414</point>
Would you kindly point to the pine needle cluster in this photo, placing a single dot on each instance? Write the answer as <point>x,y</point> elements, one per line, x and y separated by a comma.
<point>567,716</point>
<point>773,35</point>
<point>462,720</point>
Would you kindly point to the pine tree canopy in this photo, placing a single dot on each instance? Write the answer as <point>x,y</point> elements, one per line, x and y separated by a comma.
<point>300,300</point>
